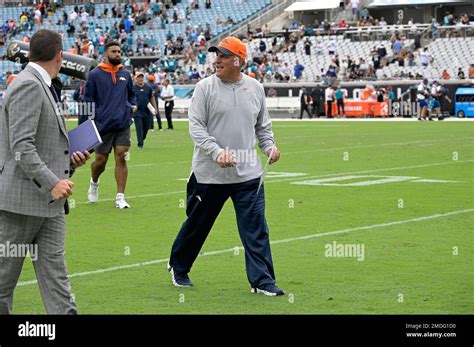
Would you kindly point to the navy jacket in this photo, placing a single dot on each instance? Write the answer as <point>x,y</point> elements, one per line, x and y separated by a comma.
<point>113,102</point>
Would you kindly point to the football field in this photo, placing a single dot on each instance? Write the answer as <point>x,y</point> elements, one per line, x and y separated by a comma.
<point>364,217</point>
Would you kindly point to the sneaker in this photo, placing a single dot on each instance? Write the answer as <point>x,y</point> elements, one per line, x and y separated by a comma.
<point>179,279</point>
<point>93,193</point>
<point>161,129</point>
<point>268,290</point>
<point>120,201</point>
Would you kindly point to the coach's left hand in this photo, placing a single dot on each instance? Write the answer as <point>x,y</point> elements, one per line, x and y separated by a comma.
<point>78,159</point>
<point>274,154</point>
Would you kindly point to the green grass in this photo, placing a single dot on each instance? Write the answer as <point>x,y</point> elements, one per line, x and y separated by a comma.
<point>414,259</point>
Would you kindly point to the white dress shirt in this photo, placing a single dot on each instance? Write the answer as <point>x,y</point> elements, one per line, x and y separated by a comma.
<point>44,74</point>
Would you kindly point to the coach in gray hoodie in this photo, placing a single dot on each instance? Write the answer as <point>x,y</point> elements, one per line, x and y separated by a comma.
<point>226,117</point>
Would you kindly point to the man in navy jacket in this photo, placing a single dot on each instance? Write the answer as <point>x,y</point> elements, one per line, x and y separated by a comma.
<point>110,89</point>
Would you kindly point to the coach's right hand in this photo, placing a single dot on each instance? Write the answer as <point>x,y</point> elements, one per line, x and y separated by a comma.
<point>226,159</point>
<point>62,189</point>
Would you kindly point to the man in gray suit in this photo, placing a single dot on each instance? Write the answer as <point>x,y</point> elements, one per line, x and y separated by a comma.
<point>35,166</point>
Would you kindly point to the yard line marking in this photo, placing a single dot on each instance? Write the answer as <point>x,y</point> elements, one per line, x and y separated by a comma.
<point>375,170</point>
<point>310,236</point>
<point>142,165</point>
<point>374,145</point>
<point>285,153</point>
<point>296,179</point>
<point>135,196</point>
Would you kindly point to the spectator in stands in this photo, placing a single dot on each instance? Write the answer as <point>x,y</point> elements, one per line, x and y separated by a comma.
<point>445,75</point>
<point>286,72</point>
<point>375,58</point>
<point>425,57</point>
<point>461,74</point>
<point>305,102</point>
<point>382,22</point>
<point>382,51</point>
<point>448,19</point>
<point>307,46</point>
<point>411,59</point>
<point>298,70</point>
<point>363,67</point>
<point>332,47</point>
<point>434,29</point>
<point>38,17</point>
<point>329,96</point>
<point>202,57</point>
<point>342,24</point>
<point>319,47</point>
<point>401,57</point>
<point>397,45</point>
<point>364,13</point>
<point>355,4</point>
<point>331,73</point>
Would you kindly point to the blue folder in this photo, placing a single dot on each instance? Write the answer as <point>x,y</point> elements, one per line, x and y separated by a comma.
<point>83,138</point>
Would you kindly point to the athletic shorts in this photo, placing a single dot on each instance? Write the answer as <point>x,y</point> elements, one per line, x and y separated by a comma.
<point>113,139</point>
<point>434,104</point>
<point>422,103</point>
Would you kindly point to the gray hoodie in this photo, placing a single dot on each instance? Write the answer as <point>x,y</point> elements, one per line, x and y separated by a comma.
<point>229,116</point>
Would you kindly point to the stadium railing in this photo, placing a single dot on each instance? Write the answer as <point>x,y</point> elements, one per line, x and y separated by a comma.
<point>261,17</point>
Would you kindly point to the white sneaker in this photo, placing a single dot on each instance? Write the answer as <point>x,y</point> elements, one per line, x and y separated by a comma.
<point>93,193</point>
<point>120,201</point>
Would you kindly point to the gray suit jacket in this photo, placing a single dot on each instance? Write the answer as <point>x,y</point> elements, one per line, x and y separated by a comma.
<point>34,148</point>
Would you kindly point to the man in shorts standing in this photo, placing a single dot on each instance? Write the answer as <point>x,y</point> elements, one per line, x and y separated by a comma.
<point>421,96</point>
<point>110,88</point>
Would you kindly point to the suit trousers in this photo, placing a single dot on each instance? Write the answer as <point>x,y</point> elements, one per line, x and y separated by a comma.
<point>168,111</point>
<point>47,237</point>
<point>204,203</point>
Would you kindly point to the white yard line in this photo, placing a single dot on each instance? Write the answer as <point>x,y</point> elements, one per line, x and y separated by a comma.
<point>305,237</point>
<point>298,178</point>
<point>376,145</point>
<point>428,142</point>
<point>151,195</point>
<point>369,171</point>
